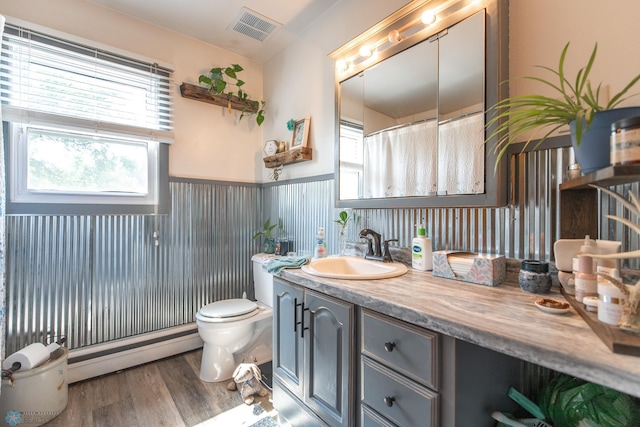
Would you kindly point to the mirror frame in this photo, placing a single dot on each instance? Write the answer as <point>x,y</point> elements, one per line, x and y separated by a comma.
<point>496,72</point>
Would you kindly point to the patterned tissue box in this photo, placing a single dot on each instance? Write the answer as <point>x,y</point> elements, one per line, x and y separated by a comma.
<point>483,269</point>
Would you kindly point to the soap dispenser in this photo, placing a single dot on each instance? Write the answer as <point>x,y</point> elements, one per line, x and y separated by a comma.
<point>321,248</point>
<point>421,256</point>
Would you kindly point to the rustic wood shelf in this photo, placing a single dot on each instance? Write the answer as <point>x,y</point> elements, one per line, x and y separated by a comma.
<point>606,177</point>
<point>288,157</point>
<point>199,93</point>
<point>579,201</point>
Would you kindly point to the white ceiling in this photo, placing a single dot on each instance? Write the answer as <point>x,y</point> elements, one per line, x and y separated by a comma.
<point>208,20</point>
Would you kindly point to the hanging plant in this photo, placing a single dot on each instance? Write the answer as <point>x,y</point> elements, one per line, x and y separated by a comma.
<point>219,79</point>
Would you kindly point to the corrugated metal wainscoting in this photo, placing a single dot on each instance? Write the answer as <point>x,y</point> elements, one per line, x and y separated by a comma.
<point>102,278</point>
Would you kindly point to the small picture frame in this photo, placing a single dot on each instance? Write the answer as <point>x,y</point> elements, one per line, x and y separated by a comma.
<point>300,136</point>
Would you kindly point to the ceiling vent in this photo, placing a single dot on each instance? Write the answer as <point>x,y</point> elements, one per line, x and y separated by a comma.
<point>254,25</point>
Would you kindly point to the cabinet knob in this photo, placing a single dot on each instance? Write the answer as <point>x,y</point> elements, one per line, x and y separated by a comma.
<point>388,400</point>
<point>389,346</point>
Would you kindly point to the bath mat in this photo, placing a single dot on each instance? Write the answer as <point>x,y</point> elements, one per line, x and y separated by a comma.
<point>265,422</point>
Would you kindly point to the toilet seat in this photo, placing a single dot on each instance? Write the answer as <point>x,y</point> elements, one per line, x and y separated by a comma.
<point>228,310</point>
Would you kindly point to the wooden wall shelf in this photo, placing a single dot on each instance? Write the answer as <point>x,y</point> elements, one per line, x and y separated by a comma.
<point>579,201</point>
<point>288,157</point>
<point>199,93</point>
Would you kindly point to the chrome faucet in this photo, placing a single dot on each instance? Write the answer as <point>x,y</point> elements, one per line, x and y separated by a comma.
<point>375,240</point>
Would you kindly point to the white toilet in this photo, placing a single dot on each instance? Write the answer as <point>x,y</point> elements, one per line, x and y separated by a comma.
<point>238,330</point>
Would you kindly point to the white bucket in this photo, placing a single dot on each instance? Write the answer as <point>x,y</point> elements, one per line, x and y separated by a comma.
<point>37,395</point>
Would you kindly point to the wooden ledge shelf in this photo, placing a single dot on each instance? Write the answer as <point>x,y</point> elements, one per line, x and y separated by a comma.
<point>199,93</point>
<point>607,177</point>
<point>288,157</point>
<point>579,201</point>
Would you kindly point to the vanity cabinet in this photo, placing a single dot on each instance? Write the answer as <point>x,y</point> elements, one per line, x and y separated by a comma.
<point>400,370</point>
<point>313,357</point>
<point>412,376</point>
<point>406,375</point>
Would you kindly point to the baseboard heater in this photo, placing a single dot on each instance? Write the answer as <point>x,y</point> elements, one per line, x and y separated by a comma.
<point>100,359</point>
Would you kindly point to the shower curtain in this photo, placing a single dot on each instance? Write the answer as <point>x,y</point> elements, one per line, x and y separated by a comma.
<point>391,160</point>
<point>3,304</point>
<point>461,156</point>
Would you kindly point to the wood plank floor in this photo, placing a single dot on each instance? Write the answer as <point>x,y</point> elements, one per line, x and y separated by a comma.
<point>163,393</point>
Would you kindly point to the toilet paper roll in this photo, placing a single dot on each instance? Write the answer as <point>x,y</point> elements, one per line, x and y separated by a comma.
<point>29,357</point>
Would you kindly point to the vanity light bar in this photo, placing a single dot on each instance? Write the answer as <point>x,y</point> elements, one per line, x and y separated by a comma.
<point>385,38</point>
<point>428,17</point>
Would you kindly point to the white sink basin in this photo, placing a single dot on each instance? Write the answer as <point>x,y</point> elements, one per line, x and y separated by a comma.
<point>349,267</point>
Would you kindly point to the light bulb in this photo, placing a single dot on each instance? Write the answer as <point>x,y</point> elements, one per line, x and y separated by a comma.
<point>394,36</point>
<point>365,51</point>
<point>342,66</point>
<point>428,17</point>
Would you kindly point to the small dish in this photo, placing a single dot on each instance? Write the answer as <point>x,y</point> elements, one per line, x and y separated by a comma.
<point>552,306</point>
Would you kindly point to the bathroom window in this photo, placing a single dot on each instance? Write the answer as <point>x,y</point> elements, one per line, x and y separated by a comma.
<point>87,129</point>
<point>351,160</point>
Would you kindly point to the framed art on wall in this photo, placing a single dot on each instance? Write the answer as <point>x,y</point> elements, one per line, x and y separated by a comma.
<point>300,133</point>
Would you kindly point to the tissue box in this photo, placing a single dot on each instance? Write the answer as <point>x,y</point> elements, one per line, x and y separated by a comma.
<point>483,269</point>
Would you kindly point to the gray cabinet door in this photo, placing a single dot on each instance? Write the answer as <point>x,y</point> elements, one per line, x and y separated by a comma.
<point>287,346</point>
<point>329,358</point>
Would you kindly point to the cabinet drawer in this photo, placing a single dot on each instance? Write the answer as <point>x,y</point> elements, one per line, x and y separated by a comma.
<point>400,400</point>
<point>371,418</point>
<point>407,349</point>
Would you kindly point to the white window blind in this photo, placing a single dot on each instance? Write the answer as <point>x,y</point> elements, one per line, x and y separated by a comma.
<point>46,80</point>
<point>87,129</point>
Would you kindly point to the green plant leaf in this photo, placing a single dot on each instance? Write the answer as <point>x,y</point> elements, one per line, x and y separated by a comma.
<point>516,116</point>
<point>216,83</point>
<point>343,219</point>
<point>229,72</point>
<point>216,73</point>
<point>219,85</point>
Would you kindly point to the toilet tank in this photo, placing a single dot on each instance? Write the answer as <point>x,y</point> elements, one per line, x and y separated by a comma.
<point>262,281</point>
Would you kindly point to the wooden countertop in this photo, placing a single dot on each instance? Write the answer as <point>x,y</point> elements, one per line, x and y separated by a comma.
<point>503,318</point>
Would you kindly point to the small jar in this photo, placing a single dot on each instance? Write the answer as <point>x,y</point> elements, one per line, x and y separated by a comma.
<point>610,301</point>
<point>590,304</point>
<point>625,141</point>
<point>573,171</point>
<point>534,277</point>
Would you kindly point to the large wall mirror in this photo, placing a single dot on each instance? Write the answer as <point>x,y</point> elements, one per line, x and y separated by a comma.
<point>411,100</point>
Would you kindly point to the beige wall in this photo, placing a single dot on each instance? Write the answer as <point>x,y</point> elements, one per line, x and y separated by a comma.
<point>209,144</point>
<point>299,80</point>
<point>540,29</point>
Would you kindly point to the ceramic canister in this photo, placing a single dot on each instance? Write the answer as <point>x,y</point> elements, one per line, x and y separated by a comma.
<point>534,276</point>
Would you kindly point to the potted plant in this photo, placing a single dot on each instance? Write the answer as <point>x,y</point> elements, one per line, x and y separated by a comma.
<point>216,82</point>
<point>343,221</point>
<point>576,104</point>
<point>269,245</point>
